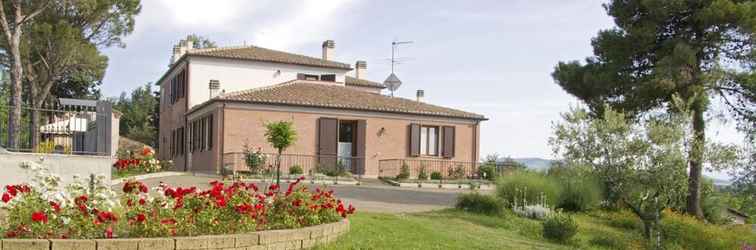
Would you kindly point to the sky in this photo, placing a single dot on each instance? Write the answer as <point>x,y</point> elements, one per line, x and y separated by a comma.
<point>489,57</point>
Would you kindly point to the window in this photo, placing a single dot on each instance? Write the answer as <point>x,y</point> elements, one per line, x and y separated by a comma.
<point>210,132</point>
<point>346,131</point>
<point>178,86</point>
<point>182,141</point>
<point>328,78</point>
<point>202,134</point>
<point>302,76</point>
<point>429,140</point>
<point>173,142</point>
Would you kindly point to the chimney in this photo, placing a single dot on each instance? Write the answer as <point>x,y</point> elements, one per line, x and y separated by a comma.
<point>180,49</point>
<point>189,45</point>
<point>420,95</point>
<point>360,70</point>
<point>328,46</point>
<point>214,86</point>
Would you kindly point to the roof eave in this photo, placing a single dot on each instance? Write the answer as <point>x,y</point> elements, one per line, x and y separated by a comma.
<point>185,56</point>
<point>346,67</point>
<point>208,102</point>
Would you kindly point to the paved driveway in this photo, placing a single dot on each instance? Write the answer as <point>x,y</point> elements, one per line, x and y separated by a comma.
<point>372,196</point>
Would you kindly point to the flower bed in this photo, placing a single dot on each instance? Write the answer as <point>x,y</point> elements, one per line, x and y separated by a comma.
<point>88,209</point>
<point>141,163</point>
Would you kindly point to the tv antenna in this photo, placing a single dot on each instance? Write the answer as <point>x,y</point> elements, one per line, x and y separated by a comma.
<point>392,82</point>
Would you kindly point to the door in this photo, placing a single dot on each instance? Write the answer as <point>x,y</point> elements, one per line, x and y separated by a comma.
<point>327,142</point>
<point>346,144</point>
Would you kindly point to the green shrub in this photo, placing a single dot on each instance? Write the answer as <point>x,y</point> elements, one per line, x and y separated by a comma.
<point>457,172</point>
<point>579,194</point>
<point>487,171</point>
<point>609,241</point>
<point>580,190</point>
<point>559,227</point>
<point>479,203</point>
<point>404,172</point>
<point>625,220</point>
<point>531,186</point>
<point>296,169</point>
<point>333,171</point>
<point>435,175</point>
<point>423,174</point>
<point>687,232</point>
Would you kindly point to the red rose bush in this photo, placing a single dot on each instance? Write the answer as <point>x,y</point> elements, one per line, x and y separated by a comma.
<point>89,209</point>
<point>142,162</point>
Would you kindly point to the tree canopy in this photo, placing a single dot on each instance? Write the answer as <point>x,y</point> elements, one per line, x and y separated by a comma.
<point>139,115</point>
<point>696,50</point>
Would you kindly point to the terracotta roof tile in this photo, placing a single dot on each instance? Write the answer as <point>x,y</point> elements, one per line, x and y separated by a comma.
<point>351,81</point>
<point>267,55</point>
<point>330,95</point>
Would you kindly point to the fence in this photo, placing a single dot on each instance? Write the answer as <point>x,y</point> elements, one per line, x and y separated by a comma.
<point>70,126</point>
<point>309,164</point>
<point>446,169</point>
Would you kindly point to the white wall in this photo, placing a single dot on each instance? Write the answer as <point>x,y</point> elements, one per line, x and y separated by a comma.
<point>65,166</point>
<point>237,75</point>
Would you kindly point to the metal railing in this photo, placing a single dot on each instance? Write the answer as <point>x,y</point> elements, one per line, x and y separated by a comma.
<point>308,164</point>
<point>70,126</point>
<point>448,170</point>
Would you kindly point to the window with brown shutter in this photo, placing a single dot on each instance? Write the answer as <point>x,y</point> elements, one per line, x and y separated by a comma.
<point>414,140</point>
<point>449,143</point>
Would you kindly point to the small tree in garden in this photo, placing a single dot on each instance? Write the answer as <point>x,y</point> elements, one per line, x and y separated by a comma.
<point>280,135</point>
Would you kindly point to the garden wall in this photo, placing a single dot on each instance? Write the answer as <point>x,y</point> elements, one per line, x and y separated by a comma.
<point>65,166</point>
<point>303,238</point>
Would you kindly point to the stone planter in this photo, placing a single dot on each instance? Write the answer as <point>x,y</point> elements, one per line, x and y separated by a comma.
<point>302,238</point>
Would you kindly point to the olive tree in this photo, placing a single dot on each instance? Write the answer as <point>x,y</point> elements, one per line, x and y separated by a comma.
<point>642,163</point>
<point>280,135</point>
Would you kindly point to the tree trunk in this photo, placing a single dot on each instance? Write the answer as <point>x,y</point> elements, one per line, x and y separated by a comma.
<point>278,169</point>
<point>16,72</point>
<point>696,162</point>
<point>648,229</point>
<point>34,124</point>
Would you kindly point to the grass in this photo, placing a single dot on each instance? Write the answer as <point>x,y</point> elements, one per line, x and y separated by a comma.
<point>455,229</point>
<point>446,229</point>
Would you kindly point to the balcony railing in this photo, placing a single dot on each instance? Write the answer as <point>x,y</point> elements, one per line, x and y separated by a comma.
<point>309,164</point>
<point>448,170</point>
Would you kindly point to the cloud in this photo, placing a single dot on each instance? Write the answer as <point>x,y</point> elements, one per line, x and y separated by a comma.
<point>304,23</point>
<point>199,14</point>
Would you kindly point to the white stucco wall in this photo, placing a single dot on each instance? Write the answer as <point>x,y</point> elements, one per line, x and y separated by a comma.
<point>237,75</point>
<point>65,166</point>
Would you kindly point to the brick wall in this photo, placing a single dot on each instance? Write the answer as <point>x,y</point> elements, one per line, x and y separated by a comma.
<point>303,238</point>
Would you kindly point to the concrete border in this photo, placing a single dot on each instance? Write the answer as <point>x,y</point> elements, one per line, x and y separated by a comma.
<point>148,176</point>
<point>301,238</point>
<point>438,185</point>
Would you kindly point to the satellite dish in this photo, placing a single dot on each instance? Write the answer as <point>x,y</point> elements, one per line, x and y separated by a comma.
<point>392,83</point>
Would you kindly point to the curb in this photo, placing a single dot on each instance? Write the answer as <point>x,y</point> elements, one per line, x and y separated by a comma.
<point>147,176</point>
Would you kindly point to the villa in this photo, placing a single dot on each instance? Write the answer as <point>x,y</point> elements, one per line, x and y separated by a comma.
<point>215,101</point>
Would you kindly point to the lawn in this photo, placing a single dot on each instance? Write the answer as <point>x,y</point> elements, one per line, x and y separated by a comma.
<point>452,229</point>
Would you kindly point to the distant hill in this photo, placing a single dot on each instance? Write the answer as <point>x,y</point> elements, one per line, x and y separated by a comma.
<point>535,163</point>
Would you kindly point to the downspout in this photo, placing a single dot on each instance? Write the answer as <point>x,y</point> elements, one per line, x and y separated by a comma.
<point>221,135</point>
<point>187,150</point>
<point>476,141</point>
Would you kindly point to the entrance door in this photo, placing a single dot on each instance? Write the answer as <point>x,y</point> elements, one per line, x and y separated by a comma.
<point>346,144</point>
